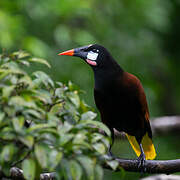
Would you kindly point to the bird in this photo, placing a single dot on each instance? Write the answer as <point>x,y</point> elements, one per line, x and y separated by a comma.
<point>120,98</point>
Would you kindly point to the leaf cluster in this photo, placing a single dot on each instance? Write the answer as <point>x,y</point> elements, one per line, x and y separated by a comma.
<point>45,126</point>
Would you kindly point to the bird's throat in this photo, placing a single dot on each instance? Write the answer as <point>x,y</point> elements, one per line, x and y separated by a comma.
<point>105,79</point>
<point>93,63</point>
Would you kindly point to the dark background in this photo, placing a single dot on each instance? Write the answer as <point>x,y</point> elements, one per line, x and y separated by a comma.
<point>143,36</point>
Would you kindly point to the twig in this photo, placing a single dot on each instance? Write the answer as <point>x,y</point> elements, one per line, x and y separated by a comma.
<point>21,160</point>
<point>17,173</point>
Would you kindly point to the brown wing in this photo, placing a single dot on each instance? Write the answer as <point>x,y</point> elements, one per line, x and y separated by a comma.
<point>132,81</point>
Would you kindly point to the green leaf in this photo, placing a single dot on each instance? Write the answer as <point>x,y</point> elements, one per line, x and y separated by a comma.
<point>42,77</point>
<point>84,107</point>
<point>41,155</point>
<point>19,101</point>
<point>113,164</point>
<point>97,124</point>
<point>21,54</point>
<point>96,137</point>
<point>7,133</point>
<point>10,110</point>
<point>79,138</point>
<point>33,113</point>
<point>7,153</point>
<point>59,92</point>
<point>18,123</point>
<point>6,92</point>
<point>49,131</point>
<point>98,172</point>
<point>27,140</point>
<point>39,127</point>
<point>29,169</point>
<point>60,84</point>
<point>65,128</point>
<point>82,146</point>
<point>72,110</point>
<point>3,73</point>
<point>56,108</point>
<point>6,169</point>
<point>44,96</point>
<point>26,63</point>
<point>53,119</point>
<point>123,172</point>
<point>106,141</point>
<point>65,138</point>
<point>26,80</point>
<point>13,68</point>
<point>88,165</point>
<point>54,159</point>
<point>2,115</point>
<point>99,147</point>
<point>76,170</point>
<point>65,169</point>
<point>89,115</point>
<point>40,60</point>
<point>72,86</point>
<point>74,98</point>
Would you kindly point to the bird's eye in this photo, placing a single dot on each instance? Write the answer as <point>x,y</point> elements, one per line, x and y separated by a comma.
<point>95,50</point>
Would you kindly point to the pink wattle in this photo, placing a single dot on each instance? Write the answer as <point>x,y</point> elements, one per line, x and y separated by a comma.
<point>93,63</point>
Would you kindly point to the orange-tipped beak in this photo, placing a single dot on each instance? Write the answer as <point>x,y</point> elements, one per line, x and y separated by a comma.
<point>68,53</point>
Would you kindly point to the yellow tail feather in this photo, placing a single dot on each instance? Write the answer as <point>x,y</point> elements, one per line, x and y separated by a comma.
<point>147,145</point>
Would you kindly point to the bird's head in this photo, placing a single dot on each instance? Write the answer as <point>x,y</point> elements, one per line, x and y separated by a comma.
<point>93,54</point>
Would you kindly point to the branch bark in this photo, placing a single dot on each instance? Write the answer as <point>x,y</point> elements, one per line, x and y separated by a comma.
<point>17,173</point>
<point>152,166</point>
<point>166,124</point>
<point>162,177</point>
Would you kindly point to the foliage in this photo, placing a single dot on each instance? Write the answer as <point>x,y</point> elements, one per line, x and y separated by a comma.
<point>45,126</point>
<point>143,36</point>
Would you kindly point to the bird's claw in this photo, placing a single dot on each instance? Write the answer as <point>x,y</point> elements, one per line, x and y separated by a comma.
<point>141,163</point>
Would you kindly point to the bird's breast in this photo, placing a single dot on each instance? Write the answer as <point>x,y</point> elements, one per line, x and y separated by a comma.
<point>122,103</point>
<point>117,106</point>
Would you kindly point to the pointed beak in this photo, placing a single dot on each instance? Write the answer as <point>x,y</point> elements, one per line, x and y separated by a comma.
<point>78,52</point>
<point>67,53</point>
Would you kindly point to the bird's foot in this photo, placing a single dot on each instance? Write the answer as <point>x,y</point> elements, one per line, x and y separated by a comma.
<point>141,162</point>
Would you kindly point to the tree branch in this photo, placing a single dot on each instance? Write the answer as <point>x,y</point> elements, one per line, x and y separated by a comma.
<point>152,166</point>
<point>162,177</point>
<point>162,125</point>
<point>17,173</point>
<point>21,160</point>
<point>159,125</point>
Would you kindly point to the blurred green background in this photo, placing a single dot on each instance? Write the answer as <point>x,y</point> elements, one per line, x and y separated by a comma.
<point>143,36</point>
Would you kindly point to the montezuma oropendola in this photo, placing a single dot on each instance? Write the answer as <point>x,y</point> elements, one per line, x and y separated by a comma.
<point>120,98</point>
